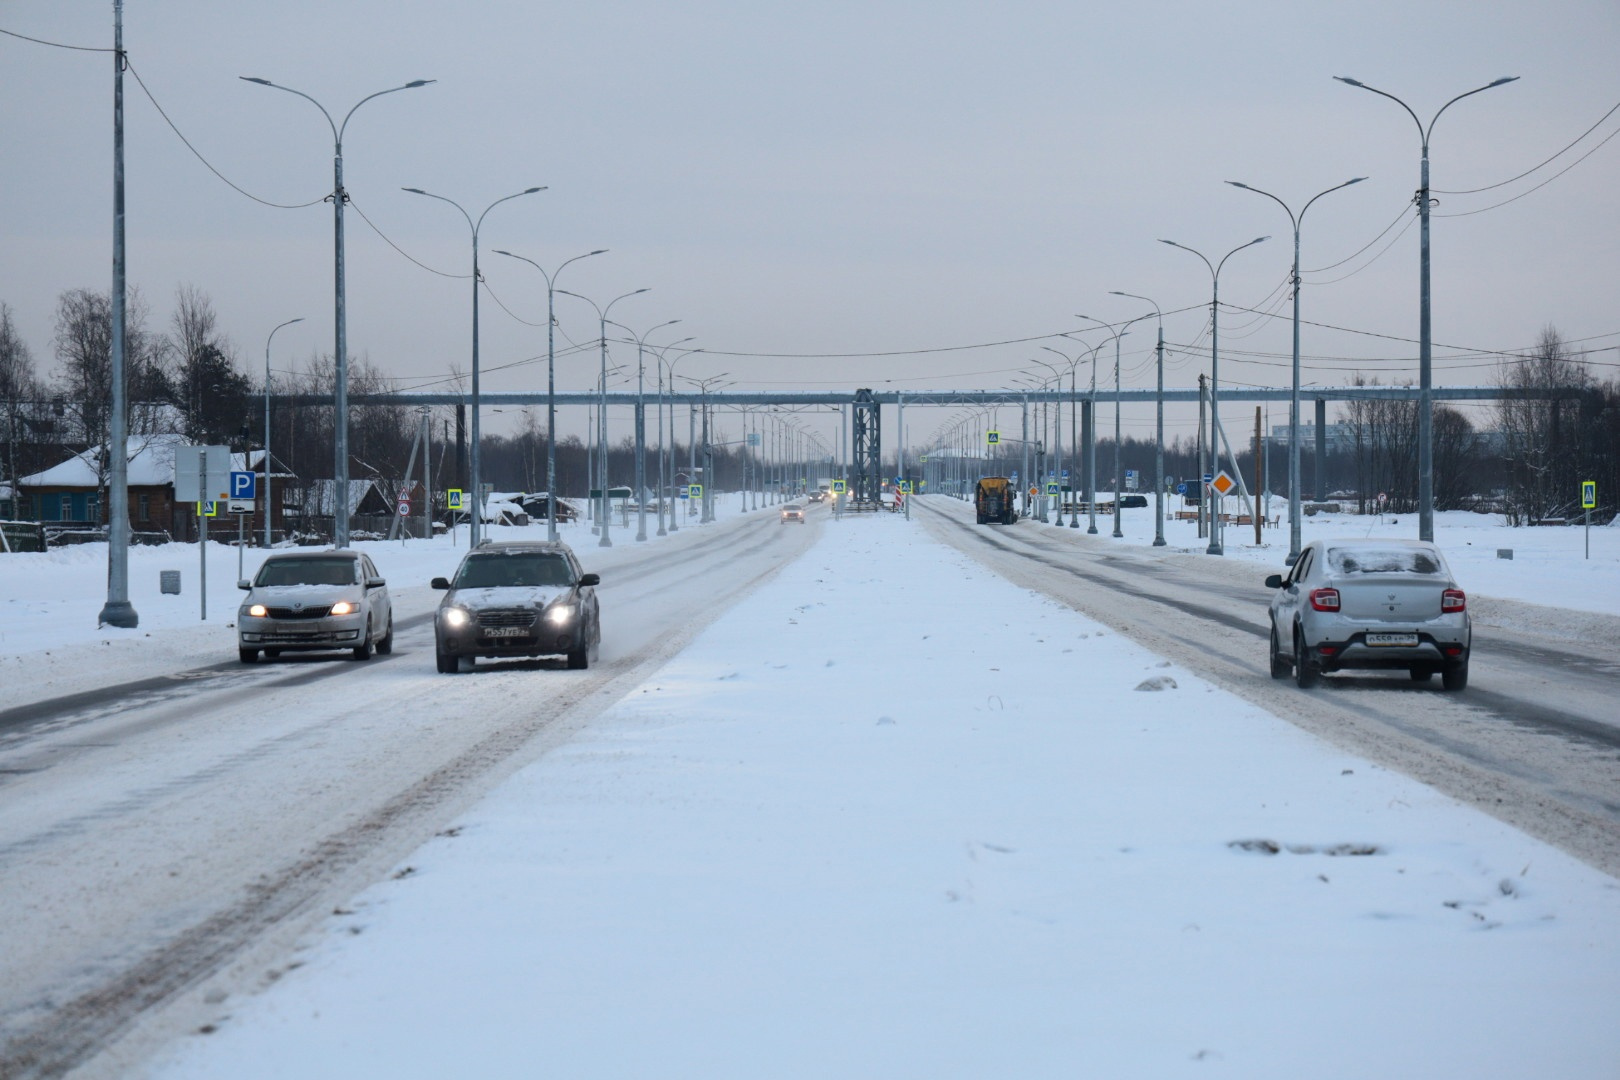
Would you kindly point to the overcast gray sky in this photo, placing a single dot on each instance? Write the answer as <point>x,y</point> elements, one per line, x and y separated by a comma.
<point>828,178</point>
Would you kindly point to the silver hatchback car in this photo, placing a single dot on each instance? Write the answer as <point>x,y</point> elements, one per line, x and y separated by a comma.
<point>1370,604</point>
<point>304,600</point>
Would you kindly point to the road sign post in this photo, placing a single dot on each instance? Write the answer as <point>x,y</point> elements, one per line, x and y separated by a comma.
<point>1588,501</point>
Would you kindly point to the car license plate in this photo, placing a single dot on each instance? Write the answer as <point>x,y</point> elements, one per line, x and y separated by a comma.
<point>507,631</point>
<point>1392,639</point>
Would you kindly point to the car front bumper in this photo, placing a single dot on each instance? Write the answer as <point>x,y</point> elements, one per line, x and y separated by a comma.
<point>328,632</point>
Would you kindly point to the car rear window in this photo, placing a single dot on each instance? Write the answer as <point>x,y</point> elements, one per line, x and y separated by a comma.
<point>308,572</point>
<point>496,571</point>
<point>1383,561</point>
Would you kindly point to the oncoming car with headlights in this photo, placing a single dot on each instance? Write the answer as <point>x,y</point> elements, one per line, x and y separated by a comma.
<point>311,600</point>
<point>1370,604</point>
<point>517,599</point>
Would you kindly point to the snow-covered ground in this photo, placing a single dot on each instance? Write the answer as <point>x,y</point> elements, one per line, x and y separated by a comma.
<point>891,816</point>
<point>1546,565</point>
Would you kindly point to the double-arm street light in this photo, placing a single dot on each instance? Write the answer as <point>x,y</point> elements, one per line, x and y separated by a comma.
<point>551,380</point>
<point>1074,446</point>
<point>1158,434</point>
<point>1214,373</point>
<point>475,529</point>
<point>601,423</point>
<point>268,504</point>
<point>641,423</point>
<point>1057,455</point>
<point>1124,328</point>
<point>1295,510</point>
<point>340,358</point>
<point>666,456</point>
<point>1425,369</point>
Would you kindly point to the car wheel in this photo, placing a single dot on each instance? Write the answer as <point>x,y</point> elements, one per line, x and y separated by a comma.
<point>386,645</point>
<point>1306,674</point>
<point>362,651</point>
<point>446,663</point>
<point>1455,676</point>
<point>579,659</point>
<point>1421,673</point>
<point>249,656</point>
<point>1281,666</point>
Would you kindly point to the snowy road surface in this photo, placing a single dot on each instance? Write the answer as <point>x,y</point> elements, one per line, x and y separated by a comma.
<point>892,816</point>
<point>149,837</point>
<point>1534,740</point>
<point>900,810</point>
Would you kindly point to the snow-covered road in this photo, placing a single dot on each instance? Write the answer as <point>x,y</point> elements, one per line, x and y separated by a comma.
<point>892,816</point>
<point>900,810</point>
<point>1535,740</point>
<point>154,830</point>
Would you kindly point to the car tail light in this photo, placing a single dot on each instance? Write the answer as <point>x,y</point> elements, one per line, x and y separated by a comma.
<point>1453,600</point>
<point>1325,599</point>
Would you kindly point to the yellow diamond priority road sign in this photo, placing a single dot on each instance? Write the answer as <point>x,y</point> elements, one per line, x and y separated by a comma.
<point>1223,484</point>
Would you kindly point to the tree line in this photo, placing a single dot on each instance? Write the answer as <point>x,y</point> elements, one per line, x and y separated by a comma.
<point>191,380</point>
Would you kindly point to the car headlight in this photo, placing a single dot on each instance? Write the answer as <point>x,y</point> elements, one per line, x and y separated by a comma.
<point>343,607</point>
<point>560,614</point>
<point>258,611</point>
<point>456,617</point>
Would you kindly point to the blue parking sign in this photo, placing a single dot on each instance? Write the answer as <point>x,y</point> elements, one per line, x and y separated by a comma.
<point>244,485</point>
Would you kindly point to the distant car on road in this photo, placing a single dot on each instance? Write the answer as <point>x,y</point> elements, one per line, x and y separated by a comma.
<point>1132,502</point>
<point>313,600</point>
<point>523,598</point>
<point>1370,604</point>
<point>793,512</point>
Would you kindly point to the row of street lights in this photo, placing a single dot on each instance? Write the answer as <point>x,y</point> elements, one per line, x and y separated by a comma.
<point>340,395</point>
<point>1425,351</point>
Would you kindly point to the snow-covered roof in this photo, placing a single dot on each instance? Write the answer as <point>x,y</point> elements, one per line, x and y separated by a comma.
<point>151,464</point>
<point>319,496</point>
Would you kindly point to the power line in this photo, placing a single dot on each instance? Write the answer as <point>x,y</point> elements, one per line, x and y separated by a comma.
<point>206,163</point>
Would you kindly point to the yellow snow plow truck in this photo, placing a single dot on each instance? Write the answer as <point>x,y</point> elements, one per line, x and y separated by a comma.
<point>995,499</point>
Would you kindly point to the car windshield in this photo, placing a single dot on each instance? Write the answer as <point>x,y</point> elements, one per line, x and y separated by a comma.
<point>1383,561</point>
<point>528,568</point>
<point>308,572</point>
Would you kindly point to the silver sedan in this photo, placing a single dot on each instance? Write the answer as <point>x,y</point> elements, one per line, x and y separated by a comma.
<point>1370,604</point>
<point>309,600</point>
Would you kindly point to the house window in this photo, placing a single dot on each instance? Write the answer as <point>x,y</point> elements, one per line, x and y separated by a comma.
<point>143,507</point>
<point>67,508</point>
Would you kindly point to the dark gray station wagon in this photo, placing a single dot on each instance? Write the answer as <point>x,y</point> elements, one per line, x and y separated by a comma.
<point>517,599</point>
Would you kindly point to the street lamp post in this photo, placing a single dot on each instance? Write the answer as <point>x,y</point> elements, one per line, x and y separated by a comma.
<point>551,381</point>
<point>1074,445</point>
<point>1158,437</point>
<point>340,358</point>
<point>475,527</point>
<point>1215,547</point>
<point>601,423</point>
<point>666,457</point>
<point>268,504</point>
<point>1123,330</point>
<point>1295,514</point>
<point>641,423</point>
<point>1425,340</point>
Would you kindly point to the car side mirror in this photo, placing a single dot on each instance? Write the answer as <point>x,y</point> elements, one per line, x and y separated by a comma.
<point>376,583</point>
<point>244,583</point>
<point>1274,581</point>
<point>440,583</point>
<point>590,579</point>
